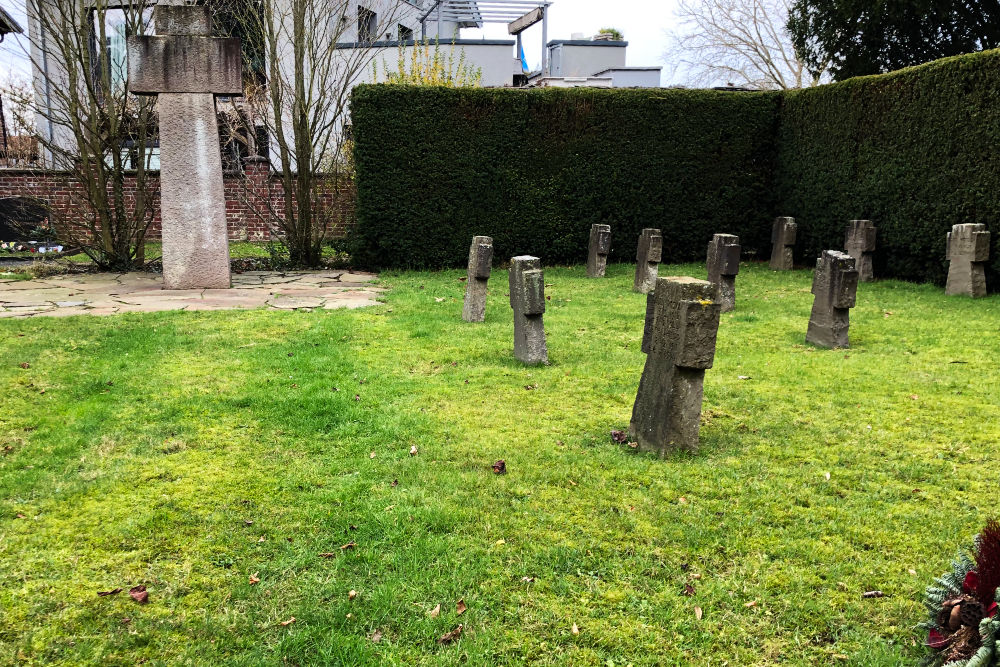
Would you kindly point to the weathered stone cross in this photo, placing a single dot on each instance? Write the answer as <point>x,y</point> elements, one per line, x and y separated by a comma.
<point>186,68</point>
<point>968,252</point>
<point>682,321</point>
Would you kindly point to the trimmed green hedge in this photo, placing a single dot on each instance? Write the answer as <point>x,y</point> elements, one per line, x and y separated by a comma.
<point>534,170</point>
<point>916,151</point>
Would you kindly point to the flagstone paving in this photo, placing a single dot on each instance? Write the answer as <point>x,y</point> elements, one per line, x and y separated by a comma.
<point>109,293</point>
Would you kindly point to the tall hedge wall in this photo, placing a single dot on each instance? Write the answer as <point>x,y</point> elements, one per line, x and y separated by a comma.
<point>917,151</point>
<point>534,169</point>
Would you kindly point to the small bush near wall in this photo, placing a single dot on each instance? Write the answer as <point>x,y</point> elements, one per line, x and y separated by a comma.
<point>534,169</point>
<point>917,151</point>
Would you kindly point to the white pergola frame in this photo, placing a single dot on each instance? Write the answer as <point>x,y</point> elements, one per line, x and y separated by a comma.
<point>474,13</point>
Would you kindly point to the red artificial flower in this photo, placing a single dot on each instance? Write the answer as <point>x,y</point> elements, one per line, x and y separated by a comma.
<point>936,640</point>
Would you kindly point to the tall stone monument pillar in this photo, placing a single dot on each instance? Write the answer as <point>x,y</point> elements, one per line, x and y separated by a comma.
<point>783,244</point>
<point>679,342</point>
<point>647,258</point>
<point>860,245</point>
<point>835,286</point>
<point>600,245</point>
<point>480,264</point>
<point>968,251</point>
<point>723,265</point>
<point>187,68</point>
<point>527,298</point>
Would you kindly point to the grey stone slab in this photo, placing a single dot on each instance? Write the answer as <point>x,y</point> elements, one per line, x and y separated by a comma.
<point>723,264</point>
<point>477,277</point>
<point>679,342</point>
<point>600,246</point>
<point>860,244</point>
<point>648,254</point>
<point>783,233</point>
<point>968,249</point>
<point>835,286</point>
<point>527,298</point>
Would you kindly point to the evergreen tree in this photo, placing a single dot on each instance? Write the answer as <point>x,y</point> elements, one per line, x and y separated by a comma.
<point>858,37</point>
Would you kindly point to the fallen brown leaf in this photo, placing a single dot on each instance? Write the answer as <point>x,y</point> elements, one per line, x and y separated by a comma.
<point>114,591</point>
<point>139,594</point>
<point>449,637</point>
<point>288,622</point>
<point>372,455</point>
<point>873,594</point>
<point>376,636</point>
<point>351,594</point>
<point>435,612</point>
<point>327,555</point>
<point>254,579</point>
<point>500,467</point>
<point>395,483</point>
<point>619,436</point>
<point>528,580</point>
<point>688,590</point>
<point>575,630</point>
<point>413,450</point>
<point>752,603</point>
<point>460,607</point>
<point>698,613</point>
<point>349,545</point>
<point>24,364</point>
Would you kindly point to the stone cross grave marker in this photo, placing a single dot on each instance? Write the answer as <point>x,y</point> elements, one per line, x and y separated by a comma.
<point>860,245</point>
<point>835,286</point>
<point>679,342</point>
<point>480,264</point>
<point>647,257</point>
<point>600,245</point>
<point>527,298</point>
<point>968,251</point>
<point>783,244</point>
<point>723,265</point>
<point>187,68</point>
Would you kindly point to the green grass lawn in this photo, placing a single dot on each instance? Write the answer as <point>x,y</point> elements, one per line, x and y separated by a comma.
<point>189,451</point>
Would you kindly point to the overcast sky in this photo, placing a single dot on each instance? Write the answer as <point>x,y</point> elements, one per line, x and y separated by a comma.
<point>643,22</point>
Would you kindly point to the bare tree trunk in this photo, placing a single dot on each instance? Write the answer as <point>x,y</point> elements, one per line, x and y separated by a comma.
<point>304,107</point>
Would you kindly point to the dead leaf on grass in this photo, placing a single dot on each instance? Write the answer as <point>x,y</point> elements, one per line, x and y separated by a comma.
<point>413,450</point>
<point>24,364</point>
<point>288,622</point>
<point>575,630</point>
<point>619,436</point>
<point>449,637</point>
<point>351,594</point>
<point>114,591</point>
<point>349,545</point>
<point>688,590</point>
<point>460,607</point>
<point>376,636</point>
<point>254,579</point>
<point>698,613</point>
<point>751,604</point>
<point>500,467</point>
<point>327,554</point>
<point>139,594</point>
<point>435,612</point>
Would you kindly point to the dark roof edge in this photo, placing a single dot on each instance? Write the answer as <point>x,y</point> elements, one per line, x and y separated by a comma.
<point>585,42</point>
<point>409,42</point>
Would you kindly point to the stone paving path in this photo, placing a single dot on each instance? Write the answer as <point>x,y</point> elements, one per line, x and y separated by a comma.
<point>109,293</point>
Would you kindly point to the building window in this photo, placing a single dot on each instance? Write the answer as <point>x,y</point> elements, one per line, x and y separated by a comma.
<point>405,33</point>
<point>367,25</point>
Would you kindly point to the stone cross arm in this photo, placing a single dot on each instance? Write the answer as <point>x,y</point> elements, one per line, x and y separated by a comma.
<point>184,64</point>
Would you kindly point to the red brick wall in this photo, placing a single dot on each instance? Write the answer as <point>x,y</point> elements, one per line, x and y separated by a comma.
<point>247,197</point>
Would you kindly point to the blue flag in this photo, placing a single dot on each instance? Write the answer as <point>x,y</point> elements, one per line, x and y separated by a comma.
<point>524,61</point>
